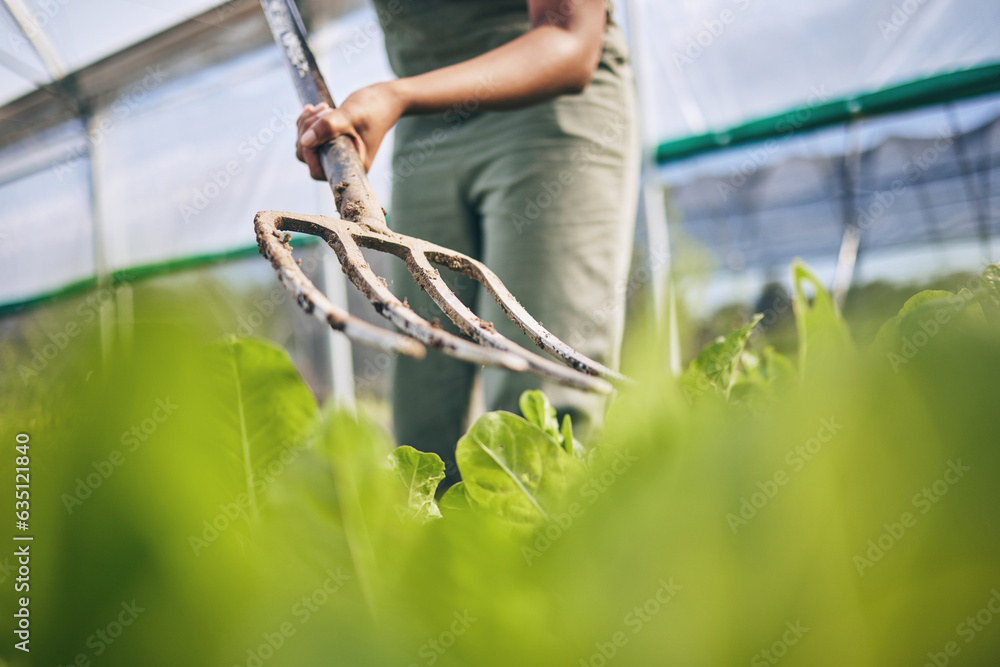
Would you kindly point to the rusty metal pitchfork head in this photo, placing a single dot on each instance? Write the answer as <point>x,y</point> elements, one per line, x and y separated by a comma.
<point>362,225</point>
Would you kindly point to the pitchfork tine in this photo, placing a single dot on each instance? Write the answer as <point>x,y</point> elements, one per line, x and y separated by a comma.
<point>274,246</point>
<point>388,305</point>
<point>471,325</point>
<point>338,234</point>
<point>344,236</point>
<point>541,336</point>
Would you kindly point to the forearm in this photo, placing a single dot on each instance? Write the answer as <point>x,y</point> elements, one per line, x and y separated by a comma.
<point>547,61</point>
<point>558,55</point>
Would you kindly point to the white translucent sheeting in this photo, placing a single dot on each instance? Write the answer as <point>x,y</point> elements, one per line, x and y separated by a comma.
<point>21,70</point>
<point>188,166</point>
<point>65,143</point>
<point>719,63</point>
<point>86,31</point>
<point>184,167</point>
<point>915,193</point>
<point>13,86</point>
<point>46,231</point>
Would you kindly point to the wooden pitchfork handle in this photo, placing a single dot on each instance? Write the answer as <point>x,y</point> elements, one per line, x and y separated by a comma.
<point>342,165</point>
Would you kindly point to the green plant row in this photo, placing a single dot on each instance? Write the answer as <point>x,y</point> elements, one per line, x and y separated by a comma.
<point>838,508</point>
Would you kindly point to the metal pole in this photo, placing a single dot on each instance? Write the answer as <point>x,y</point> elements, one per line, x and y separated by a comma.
<point>338,347</point>
<point>654,207</point>
<point>102,270</point>
<point>976,202</point>
<point>339,351</point>
<point>37,38</point>
<point>850,244</point>
<point>91,120</point>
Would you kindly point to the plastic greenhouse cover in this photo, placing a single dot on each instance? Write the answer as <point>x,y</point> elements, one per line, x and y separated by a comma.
<point>84,32</point>
<point>183,171</point>
<point>65,143</point>
<point>21,70</point>
<point>713,64</point>
<point>185,179</point>
<point>904,192</point>
<point>47,232</point>
<point>708,64</point>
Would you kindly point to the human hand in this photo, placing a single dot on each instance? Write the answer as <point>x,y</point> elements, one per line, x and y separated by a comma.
<point>365,116</point>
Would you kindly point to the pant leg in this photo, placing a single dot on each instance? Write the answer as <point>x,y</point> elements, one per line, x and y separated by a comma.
<point>431,397</point>
<point>558,198</point>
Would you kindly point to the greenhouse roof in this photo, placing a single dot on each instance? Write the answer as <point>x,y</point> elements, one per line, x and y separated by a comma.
<point>711,74</point>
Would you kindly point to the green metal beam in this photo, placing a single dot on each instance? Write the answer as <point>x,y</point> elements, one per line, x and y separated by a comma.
<point>145,272</point>
<point>938,89</point>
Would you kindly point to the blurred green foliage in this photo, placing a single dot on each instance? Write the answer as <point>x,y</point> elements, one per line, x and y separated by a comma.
<point>191,505</point>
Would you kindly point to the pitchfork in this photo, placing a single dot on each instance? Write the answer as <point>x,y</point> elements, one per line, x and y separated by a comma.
<point>362,224</point>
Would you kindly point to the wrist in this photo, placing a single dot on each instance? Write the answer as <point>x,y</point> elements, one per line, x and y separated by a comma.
<point>398,92</point>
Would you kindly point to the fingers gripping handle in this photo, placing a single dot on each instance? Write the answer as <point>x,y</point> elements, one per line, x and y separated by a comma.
<point>343,168</point>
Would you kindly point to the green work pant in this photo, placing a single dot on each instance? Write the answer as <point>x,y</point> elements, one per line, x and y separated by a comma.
<point>545,196</point>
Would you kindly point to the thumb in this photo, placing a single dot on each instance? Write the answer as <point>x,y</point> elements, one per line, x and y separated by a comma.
<point>328,126</point>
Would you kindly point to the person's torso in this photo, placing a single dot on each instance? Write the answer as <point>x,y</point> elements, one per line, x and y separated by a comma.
<point>422,35</point>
